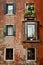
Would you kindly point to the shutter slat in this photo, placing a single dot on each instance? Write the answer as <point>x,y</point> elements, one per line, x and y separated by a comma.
<point>14,8</point>
<point>5,8</point>
<point>14,30</point>
<point>4,30</point>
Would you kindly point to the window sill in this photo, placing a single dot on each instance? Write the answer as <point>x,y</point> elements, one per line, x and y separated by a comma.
<point>9,14</point>
<point>27,61</point>
<point>8,60</point>
<point>29,16</point>
<point>31,41</point>
<point>10,35</point>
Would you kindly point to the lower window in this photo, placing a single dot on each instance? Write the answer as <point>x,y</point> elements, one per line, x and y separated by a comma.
<point>9,54</point>
<point>31,54</point>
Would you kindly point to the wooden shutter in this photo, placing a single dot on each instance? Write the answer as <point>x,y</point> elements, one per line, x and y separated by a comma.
<point>23,27</point>
<point>14,8</point>
<point>5,8</point>
<point>24,31</point>
<point>5,30</point>
<point>14,30</point>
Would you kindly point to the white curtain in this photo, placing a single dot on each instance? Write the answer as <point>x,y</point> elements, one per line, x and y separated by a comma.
<point>10,9</point>
<point>31,30</point>
<point>10,30</point>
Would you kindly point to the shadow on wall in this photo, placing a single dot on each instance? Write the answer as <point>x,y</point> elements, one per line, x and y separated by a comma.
<point>41,62</point>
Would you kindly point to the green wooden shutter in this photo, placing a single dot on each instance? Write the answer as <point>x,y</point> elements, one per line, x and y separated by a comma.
<point>4,30</point>
<point>14,8</point>
<point>5,8</point>
<point>14,30</point>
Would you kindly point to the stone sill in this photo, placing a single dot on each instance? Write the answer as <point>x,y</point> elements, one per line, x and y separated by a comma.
<point>31,41</point>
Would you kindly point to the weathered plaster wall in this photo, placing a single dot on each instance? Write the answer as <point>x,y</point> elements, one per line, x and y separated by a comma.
<point>16,42</point>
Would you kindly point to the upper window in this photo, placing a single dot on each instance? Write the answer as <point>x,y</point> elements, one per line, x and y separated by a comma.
<point>29,10</point>
<point>31,54</point>
<point>9,54</point>
<point>9,30</point>
<point>30,31</point>
<point>29,6</point>
<point>9,8</point>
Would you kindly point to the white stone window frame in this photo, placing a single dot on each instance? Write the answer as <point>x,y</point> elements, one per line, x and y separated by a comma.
<point>35,38</point>
<point>35,29</point>
<point>5,54</point>
<point>26,7</point>
<point>27,61</point>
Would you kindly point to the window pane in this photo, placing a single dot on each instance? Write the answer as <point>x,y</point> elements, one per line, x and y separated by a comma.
<point>27,8</point>
<point>10,30</point>
<point>10,9</point>
<point>31,30</point>
<point>9,54</point>
<point>30,54</point>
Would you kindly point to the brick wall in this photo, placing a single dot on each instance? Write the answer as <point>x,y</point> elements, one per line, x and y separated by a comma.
<point>16,42</point>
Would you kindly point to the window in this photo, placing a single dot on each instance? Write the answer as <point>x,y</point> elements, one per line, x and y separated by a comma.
<point>30,31</point>
<point>9,54</point>
<point>30,10</point>
<point>29,6</point>
<point>9,8</point>
<point>9,30</point>
<point>31,54</point>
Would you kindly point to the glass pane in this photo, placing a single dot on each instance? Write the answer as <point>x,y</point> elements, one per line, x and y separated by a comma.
<point>9,54</point>
<point>31,54</point>
<point>27,8</point>
<point>10,30</point>
<point>31,30</point>
<point>10,9</point>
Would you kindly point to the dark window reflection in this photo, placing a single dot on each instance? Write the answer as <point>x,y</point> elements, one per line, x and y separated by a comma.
<point>9,54</point>
<point>31,54</point>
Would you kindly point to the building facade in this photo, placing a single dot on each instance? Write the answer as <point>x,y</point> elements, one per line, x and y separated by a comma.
<point>21,32</point>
